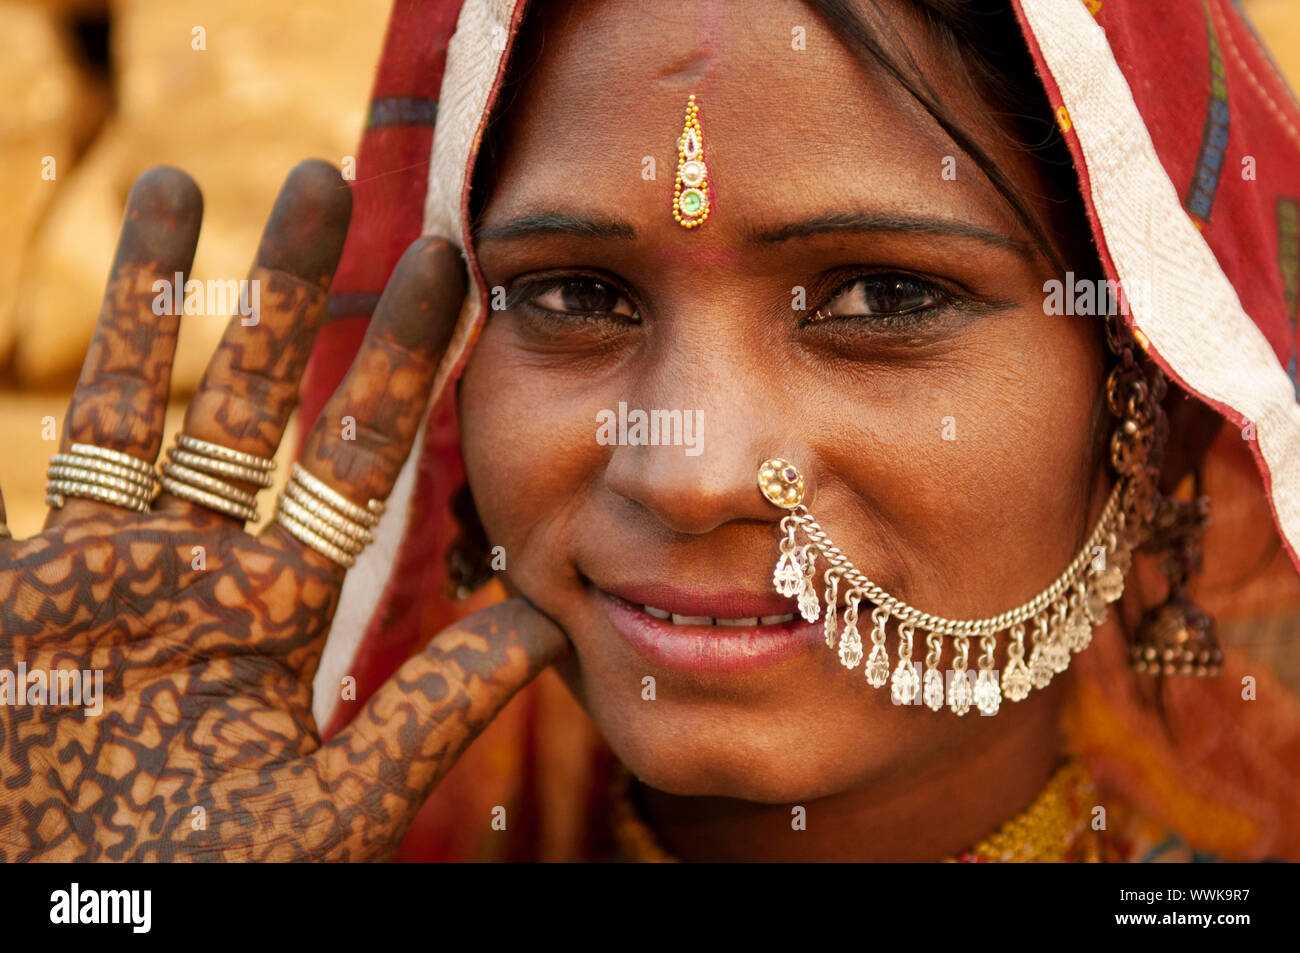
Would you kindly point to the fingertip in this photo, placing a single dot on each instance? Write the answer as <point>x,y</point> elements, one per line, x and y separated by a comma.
<point>308,225</point>
<point>420,305</point>
<point>166,188</point>
<point>438,261</point>
<point>321,183</point>
<point>164,211</point>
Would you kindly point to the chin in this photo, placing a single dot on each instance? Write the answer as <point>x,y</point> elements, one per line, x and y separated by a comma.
<point>705,749</point>
<point>728,767</point>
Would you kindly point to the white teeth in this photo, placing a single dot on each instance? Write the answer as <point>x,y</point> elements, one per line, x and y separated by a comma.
<point>706,620</point>
<point>692,619</point>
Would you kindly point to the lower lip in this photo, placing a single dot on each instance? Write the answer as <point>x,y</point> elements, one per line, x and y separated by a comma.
<point>710,649</point>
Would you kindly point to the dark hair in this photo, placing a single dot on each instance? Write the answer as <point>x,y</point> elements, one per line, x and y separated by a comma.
<point>985,38</point>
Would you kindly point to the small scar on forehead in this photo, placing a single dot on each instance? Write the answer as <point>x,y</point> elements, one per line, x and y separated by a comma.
<point>693,67</point>
<point>690,69</point>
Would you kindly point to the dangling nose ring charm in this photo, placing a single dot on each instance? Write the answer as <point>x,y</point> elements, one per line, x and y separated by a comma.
<point>1061,614</point>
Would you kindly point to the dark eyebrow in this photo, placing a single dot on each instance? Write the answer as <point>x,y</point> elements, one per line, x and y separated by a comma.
<point>555,223</point>
<point>854,221</point>
<point>578,226</point>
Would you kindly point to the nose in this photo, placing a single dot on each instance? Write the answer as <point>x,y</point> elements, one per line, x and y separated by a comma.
<point>696,492</point>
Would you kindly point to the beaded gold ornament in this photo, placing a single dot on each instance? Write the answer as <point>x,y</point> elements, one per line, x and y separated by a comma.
<point>691,199</point>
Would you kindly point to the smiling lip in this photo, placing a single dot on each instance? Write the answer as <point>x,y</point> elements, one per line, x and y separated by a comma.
<point>733,604</point>
<point>711,649</point>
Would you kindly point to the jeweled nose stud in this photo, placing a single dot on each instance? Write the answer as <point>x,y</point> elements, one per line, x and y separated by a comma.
<point>781,482</point>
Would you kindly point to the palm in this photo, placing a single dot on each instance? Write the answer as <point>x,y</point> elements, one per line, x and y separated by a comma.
<point>207,637</point>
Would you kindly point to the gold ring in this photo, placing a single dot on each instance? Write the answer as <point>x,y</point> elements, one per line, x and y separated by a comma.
<point>57,490</point>
<point>324,519</point>
<point>294,491</point>
<point>111,456</point>
<point>98,473</point>
<point>314,540</point>
<point>318,526</point>
<point>207,449</point>
<point>210,483</point>
<point>84,475</point>
<point>220,467</point>
<point>367,516</point>
<point>142,478</point>
<point>212,501</point>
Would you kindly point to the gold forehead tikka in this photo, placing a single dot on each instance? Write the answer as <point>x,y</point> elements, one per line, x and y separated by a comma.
<point>691,200</point>
<point>1062,615</point>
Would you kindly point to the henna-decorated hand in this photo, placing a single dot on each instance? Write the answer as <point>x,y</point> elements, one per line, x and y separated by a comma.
<point>207,671</point>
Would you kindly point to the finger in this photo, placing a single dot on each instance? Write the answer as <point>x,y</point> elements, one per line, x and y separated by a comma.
<point>365,431</point>
<point>383,765</point>
<point>121,396</point>
<point>250,387</point>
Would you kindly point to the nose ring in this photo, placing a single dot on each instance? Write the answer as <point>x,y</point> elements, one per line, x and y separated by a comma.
<point>781,482</point>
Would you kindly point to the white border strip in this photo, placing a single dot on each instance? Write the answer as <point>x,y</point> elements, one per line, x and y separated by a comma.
<point>474,56</point>
<point>1180,297</point>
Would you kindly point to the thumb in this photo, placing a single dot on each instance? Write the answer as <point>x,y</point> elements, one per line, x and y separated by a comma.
<point>382,767</point>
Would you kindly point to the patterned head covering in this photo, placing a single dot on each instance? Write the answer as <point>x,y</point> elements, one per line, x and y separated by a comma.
<point>1186,142</point>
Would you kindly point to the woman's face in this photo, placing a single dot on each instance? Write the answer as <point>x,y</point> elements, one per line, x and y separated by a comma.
<point>944,425</point>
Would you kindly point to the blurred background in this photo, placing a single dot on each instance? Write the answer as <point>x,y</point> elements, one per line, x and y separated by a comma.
<point>236,92</point>
<point>92,93</point>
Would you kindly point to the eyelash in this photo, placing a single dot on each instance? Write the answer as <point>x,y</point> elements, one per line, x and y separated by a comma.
<point>525,295</point>
<point>939,300</point>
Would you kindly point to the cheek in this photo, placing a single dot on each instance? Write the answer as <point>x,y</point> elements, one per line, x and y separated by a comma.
<point>978,468</point>
<point>529,452</point>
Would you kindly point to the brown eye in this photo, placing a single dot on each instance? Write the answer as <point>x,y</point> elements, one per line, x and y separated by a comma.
<point>882,296</point>
<point>582,296</point>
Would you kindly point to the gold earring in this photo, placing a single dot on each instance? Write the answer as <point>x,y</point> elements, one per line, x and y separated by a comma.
<point>1176,637</point>
<point>691,202</point>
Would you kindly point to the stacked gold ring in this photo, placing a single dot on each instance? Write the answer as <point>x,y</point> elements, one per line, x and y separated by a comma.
<point>98,473</point>
<point>194,469</point>
<point>319,516</point>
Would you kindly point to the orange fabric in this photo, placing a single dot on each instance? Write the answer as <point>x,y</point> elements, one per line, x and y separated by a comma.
<point>1226,775</point>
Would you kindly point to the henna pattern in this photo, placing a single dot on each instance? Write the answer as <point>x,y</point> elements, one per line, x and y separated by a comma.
<point>250,387</point>
<point>207,637</point>
<point>121,394</point>
<point>207,701</point>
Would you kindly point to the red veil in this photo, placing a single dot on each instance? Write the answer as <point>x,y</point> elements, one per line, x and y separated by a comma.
<point>1187,146</point>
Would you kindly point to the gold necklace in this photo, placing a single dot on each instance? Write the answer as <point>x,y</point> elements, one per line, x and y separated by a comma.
<point>1056,827</point>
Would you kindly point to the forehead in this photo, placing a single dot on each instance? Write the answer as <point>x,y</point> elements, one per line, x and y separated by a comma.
<point>795,121</point>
